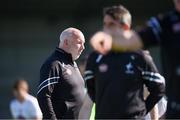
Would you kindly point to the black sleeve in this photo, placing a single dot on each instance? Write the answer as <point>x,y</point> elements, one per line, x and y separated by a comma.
<point>154,82</point>
<point>89,75</point>
<point>49,78</point>
<point>151,33</point>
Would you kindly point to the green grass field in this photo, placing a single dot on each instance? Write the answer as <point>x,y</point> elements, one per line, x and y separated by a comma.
<point>93,112</point>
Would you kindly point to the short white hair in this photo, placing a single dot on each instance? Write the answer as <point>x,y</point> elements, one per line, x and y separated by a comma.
<point>68,34</point>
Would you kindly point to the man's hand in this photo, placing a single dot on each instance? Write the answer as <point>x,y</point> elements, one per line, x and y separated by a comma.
<point>101,42</point>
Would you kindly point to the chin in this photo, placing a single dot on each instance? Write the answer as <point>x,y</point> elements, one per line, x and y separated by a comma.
<point>76,57</point>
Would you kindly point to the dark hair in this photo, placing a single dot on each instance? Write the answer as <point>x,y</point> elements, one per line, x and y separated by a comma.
<point>18,82</point>
<point>118,13</point>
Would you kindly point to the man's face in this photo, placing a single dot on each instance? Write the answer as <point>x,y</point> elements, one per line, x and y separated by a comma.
<point>111,25</point>
<point>177,5</point>
<point>76,46</point>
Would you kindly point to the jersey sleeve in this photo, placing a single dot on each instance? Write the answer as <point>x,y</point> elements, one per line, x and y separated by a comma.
<point>154,82</point>
<point>50,76</point>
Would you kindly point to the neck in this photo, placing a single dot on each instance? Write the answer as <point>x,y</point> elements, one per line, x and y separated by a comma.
<point>21,98</point>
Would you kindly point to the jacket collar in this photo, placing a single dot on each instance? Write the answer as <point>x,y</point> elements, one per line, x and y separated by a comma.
<point>66,55</point>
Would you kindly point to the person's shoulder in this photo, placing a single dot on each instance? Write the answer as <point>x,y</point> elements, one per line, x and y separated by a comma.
<point>50,60</point>
<point>138,52</point>
<point>45,64</point>
<point>143,54</point>
<point>31,100</point>
<point>56,63</point>
<point>30,97</point>
<point>51,64</point>
<point>94,56</point>
<point>13,103</point>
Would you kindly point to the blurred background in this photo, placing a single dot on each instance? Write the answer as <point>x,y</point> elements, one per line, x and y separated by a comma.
<point>29,32</point>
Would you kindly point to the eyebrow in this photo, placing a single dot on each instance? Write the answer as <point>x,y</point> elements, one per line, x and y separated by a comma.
<point>80,41</point>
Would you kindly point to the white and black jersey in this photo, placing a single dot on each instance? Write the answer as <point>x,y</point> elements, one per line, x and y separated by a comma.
<point>115,82</point>
<point>61,87</point>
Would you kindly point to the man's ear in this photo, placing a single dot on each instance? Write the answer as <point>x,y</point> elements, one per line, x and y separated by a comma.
<point>65,44</point>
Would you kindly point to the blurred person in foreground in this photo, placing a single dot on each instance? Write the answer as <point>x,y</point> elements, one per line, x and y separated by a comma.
<point>115,80</point>
<point>24,106</point>
<point>61,88</point>
<point>164,31</point>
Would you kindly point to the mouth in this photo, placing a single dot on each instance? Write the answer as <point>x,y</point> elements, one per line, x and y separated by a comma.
<point>80,51</point>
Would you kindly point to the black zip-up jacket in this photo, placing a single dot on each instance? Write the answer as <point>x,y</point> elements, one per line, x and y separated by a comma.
<point>115,82</point>
<point>61,87</point>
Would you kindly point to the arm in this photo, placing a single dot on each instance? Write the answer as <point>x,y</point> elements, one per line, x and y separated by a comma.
<point>49,78</point>
<point>154,82</point>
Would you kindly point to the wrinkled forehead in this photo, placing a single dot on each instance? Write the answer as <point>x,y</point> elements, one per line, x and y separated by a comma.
<point>78,36</point>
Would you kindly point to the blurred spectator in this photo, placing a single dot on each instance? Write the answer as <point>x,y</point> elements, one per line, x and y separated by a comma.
<point>24,106</point>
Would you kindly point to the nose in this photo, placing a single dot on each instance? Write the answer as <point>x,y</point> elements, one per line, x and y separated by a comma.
<point>82,47</point>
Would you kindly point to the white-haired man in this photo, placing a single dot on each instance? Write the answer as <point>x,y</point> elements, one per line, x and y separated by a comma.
<point>61,88</point>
